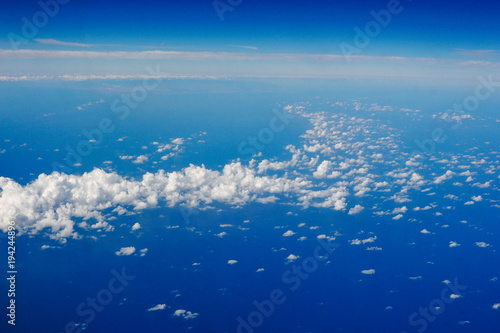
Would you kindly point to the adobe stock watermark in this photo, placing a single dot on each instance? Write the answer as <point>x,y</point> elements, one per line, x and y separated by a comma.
<point>371,29</point>
<point>187,212</point>
<point>257,143</point>
<point>428,314</point>
<point>120,106</point>
<point>30,28</point>
<point>222,6</point>
<point>293,279</point>
<point>87,310</point>
<point>483,91</point>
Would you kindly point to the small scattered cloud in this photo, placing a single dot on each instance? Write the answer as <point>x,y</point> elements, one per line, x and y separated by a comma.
<point>477,198</point>
<point>368,271</point>
<point>141,159</point>
<point>355,210</point>
<point>363,241</point>
<point>185,314</point>
<point>125,251</point>
<point>158,307</point>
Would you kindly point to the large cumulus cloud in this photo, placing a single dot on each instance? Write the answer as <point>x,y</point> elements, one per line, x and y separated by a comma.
<point>54,201</point>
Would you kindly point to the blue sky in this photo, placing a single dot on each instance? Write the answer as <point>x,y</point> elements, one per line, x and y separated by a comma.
<point>449,32</point>
<point>210,191</point>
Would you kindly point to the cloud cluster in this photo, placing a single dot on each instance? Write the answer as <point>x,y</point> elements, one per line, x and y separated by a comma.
<point>125,251</point>
<point>53,201</point>
<point>185,314</point>
<point>340,156</point>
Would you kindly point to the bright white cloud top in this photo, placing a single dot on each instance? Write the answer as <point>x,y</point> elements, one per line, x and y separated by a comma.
<point>125,251</point>
<point>158,307</point>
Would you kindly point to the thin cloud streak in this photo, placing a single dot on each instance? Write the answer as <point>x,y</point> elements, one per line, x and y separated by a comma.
<point>479,53</point>
<point>181,55</point>
<point>58,42</point>
<point>246,47</point>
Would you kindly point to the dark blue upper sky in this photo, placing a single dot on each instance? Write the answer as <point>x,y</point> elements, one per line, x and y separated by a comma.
<point>287,26</point>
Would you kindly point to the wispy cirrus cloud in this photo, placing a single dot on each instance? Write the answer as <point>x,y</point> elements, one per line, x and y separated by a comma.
<point>196,56</point>
<point>50,41</point>
<point>481,54</point>
<point>250,64</point>
<point>246,47</point>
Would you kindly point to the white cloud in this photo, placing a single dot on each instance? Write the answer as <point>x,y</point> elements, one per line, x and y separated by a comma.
<point>51,202</point>
<point>136,226</point>
<point>125,251</point>
<point>482,244</point>
<point>288,233</point>
<point>363,241</point>
<point>158,307</point>
<point>454,244</point>
<point>368,271</point>
<point>495,306</point>
<point>178,141</point>
<point>232,262</point>
<point>399,210</point>
<point>246,47</point>
<point>55,204</point>
<point>141,159</point>
<point>485,185</point>
<point>416,178</point>
<point>184,314</point>
<point>448,175</point>
<point>193,56</point>
<point>323,171</point>
<point>355,210</point>
<point>477,198</point>
<point>58,42</point>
